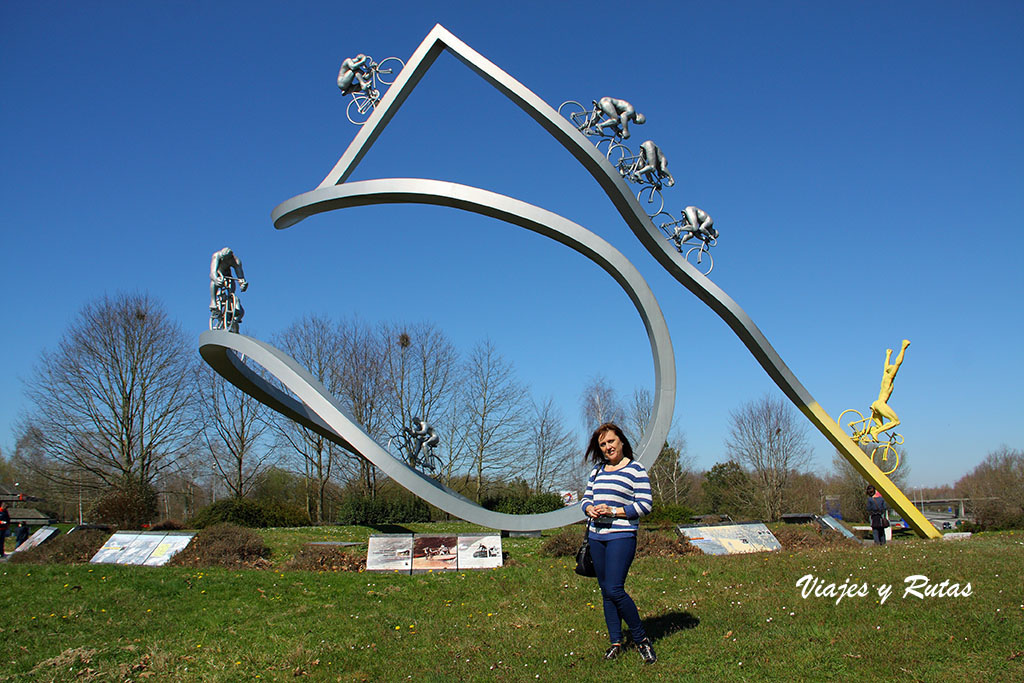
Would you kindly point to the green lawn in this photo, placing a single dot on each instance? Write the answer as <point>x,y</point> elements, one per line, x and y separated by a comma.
<point>714,618</point>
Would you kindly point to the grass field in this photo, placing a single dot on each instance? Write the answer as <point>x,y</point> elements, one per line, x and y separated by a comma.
<point>713,618</point>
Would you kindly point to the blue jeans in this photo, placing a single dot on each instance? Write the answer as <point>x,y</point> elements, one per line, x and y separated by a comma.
<point>611,560</point>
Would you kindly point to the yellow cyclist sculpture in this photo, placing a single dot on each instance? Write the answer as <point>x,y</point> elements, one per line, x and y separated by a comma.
<point>880,409</point>
<point>882,418</point>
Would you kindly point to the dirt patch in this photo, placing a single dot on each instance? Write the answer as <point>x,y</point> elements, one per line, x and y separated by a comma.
<point>225,545</point>
<point>75,657</point>
<point>74,548</point>
<point>326,558</point>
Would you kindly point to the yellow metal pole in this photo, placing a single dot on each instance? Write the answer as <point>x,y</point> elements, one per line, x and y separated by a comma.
<point>849,449</point>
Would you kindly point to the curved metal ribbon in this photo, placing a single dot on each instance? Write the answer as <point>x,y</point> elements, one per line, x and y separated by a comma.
<point>439,40</point>
<point>321,412</point>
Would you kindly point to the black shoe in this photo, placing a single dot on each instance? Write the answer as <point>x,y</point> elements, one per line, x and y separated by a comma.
<point>613,651</point>
<point>646,651</point>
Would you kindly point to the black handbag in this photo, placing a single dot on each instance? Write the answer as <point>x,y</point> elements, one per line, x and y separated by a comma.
<point>584,561</point>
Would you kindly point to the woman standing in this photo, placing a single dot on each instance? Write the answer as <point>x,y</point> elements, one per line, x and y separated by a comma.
<point>618,494</point>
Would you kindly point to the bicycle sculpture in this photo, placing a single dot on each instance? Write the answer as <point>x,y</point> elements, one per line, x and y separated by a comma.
<point>608,121</point>
<point>694,223</point>
<point>882,419</point>
<point>225,309</point>
<point>417,436</point>
<point>360,77</point>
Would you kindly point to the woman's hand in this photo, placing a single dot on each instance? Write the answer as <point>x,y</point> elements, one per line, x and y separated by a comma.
<point>594,511</point>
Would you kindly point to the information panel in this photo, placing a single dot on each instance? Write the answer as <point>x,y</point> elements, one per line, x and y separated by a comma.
<point>731,539</point>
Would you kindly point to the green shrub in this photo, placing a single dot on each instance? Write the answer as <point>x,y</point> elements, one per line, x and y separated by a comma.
<point>565,543</point>
<point>669,515</point>
<point>362,510</point>
<point>129,505</point>
<point>247,513</point>
<point>167,525</point>
<point>75,548</point>
<point>520,504</point>
<point>224,545</point>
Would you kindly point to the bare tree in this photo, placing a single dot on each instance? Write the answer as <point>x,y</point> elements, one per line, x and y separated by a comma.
<point>114,403</point>
<point>363,391</point>
<point>552,447</point>
<point>767,436</point>
<point>233,426</point>
<point>598,403</point>
<point>314,343</point>
<point>672,473</point>
<point>420,374</point>
<point>640,410</point>
<point>996,489</point>
<point>493,411</point>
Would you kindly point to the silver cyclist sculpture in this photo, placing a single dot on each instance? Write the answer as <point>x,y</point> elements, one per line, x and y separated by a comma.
<point>418,435</point>
<point>361,78</point>
<point>694,223</point>
<point>225,309</point>
<point>648,167</point>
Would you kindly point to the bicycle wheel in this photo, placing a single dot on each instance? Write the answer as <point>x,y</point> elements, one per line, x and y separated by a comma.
<point>856,427</point>
<point>359,109</point>
<point>700,259</point>
<point>652,201</point>
<point>886,458</point>
<point>619,156</point>
<point>388,70</point>
<point>574,111</point>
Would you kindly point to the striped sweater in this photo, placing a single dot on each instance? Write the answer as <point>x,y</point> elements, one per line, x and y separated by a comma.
<point>628,488</point>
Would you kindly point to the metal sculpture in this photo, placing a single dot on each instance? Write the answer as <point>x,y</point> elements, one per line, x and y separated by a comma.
<point>319,411</point>
<point>648,167</point>
<point>415,437</point>
<point>694,223</point>
<point>361,77</point>
<point>881,420</point>
<point>225,308</point>
<point>316,409</point>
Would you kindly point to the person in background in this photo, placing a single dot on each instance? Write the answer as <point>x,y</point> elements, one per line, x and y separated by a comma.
<point>21,535</point>
<point>618,494</point>
<point>876,512</point>
<point>5,523</point>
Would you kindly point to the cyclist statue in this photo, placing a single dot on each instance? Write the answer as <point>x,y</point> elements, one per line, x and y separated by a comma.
<point>220,279</point>
<point>620,113</point>
<point>696,223</point>
<point>655,168</point>
<point>353,76</point>
<point>422,435</point>
<point>880,409</point>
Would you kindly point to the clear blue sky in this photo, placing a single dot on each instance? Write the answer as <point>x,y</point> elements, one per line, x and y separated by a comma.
<point>863,162</point>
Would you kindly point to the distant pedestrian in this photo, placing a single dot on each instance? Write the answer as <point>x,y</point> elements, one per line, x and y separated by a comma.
<point>876,512</point>
<point>5,523</point>
<point>21,535</point>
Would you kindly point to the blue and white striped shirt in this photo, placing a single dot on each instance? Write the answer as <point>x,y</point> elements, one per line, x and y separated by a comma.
<point>628,488</point>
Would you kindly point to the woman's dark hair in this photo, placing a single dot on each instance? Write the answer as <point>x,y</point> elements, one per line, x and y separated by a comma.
<point>594,454</point>
<point>870,491</point>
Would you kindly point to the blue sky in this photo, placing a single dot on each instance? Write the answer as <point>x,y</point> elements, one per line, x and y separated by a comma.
<point>863,162</point>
